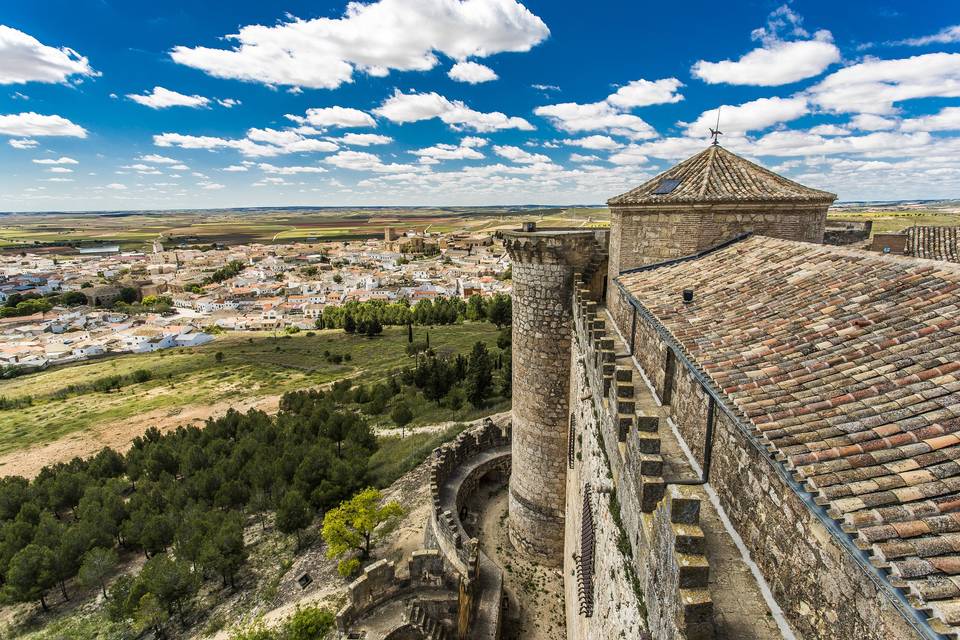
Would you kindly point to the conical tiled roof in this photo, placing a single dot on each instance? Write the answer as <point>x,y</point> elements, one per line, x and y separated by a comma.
<point>717,175</point>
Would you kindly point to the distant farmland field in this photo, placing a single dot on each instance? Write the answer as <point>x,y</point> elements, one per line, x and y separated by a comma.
<point>137,229</point>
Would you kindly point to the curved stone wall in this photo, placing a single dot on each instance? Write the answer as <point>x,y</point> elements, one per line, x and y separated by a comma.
<point>543,270</point>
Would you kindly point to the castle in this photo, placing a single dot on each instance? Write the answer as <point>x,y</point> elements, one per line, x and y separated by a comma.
<point>721,427</point>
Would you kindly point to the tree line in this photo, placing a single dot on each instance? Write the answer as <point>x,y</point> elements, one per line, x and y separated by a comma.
<point>366,317</point>
<point>182,500</point>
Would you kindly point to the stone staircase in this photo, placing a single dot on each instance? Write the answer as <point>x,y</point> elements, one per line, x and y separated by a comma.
<point>429,628</point>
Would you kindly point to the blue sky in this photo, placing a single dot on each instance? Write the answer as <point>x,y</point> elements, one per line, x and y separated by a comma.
<point>107,104</point>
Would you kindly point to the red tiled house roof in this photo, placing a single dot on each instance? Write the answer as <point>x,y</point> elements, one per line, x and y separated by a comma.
<point>717,175</point>
<point>848,363</point>
<point>936,243</point>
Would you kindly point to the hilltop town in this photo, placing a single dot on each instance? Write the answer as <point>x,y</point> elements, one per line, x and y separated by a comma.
<point>61,309</point>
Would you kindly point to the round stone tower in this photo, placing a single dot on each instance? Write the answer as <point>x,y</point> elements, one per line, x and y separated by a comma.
<point>543,266</point>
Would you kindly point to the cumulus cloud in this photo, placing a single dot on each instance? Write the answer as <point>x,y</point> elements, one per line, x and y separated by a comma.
<point>24,59</point>
<point>778,60</point>
<point>413,107</point>
<point>157,159</point>
<point>116,186</point>
<point>257,143</point>
<point>642,93</point>
<point>161,98</point>
<point>605,143</point>
<point>235,168</point>
<point>59,170</point>
<point>944,36</point>
<point>288,171</point>
<point>466,150</point>
<point>32,124</point>
<point>23,143</point>
<point>334,117</point>
<point>870,122</point>
<point>363,139</point>
<point>573,117</point>
<point>829,130</point>
<point>363,161</point>
<point>579,157</point>
<point>875,86</point>
<point>518,155</point>
<point>374,38</point>
<point>749,116</point>
<point>948,119</point>
<point>229,103</point>
<point>471,72</point>
<point>60,160</point>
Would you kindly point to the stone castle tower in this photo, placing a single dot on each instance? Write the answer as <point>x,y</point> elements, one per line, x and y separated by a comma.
<point>706,199</point>
<point>543,279</point>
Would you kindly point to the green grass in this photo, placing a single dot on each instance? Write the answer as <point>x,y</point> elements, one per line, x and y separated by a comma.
<point>254,364</point>
<point>894,221</point>
<point>396,456</point>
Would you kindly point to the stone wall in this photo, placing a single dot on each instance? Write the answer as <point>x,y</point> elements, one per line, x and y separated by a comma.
<point>678,575</point>
<point>381,582</point>
<point>617,453</point>
<point>642,235</point>
<point>823,592</point>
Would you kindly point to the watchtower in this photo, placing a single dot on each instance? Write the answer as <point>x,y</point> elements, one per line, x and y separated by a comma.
<point>544,263</point>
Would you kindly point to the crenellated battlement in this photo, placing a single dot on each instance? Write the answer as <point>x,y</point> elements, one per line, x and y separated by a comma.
<point>652,525</point>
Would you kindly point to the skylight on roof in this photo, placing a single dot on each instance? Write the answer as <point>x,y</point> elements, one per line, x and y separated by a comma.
<point>666,186</point>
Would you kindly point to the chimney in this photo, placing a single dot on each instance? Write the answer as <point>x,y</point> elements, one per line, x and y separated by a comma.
<point>687,296</point>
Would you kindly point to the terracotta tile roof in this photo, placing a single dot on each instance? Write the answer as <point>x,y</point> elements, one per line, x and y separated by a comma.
<point>847,363</point>
<point>718,175</point>
<point>936,243</point>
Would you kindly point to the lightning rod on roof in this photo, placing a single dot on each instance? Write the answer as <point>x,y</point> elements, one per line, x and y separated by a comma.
<point>716,133</point>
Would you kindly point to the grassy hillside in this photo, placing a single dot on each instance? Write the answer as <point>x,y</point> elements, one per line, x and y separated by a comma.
<point>253,364</point>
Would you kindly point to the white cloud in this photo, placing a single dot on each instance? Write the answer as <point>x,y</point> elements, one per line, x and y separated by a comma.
<point>235,168</point>
<point>749,116</point>
<point>374,38</point>
<point>161,98</point>
<point>116,186</point>
<point>24,59</point>
<point>545,87</point>
<point>642,93</point>
<point>32,124</point>
<point>598,116</point>
<point>288,171</point>
<point>229,103</point>
<point>829,130</point>
<point>210,186</point>
<point>440,152</point>
<point>518,155</point>
<point>875,86</point>
<point>363,139</point>
<point>157,159</point>
<point>258,143</point>
<point>363,161</point>
<point>788,54</point>
<point>60,160</point>
<point>631,156</point>
<point>23,143</point>
<point>947,120</point>
<point>870,122</point>
<point>577,157</point>
<point>179,167</point>
<point>771,66</point>
<point>412,107</point>
<point>59,170</point>
<point>944,36</point>
<point>605,143</point>
<point>471,72</point>
<point>334,117</point>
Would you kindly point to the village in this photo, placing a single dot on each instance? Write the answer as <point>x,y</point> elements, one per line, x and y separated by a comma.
<point>65,308</point>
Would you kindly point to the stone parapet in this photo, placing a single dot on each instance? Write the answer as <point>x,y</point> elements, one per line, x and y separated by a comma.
<point>679,606</point>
